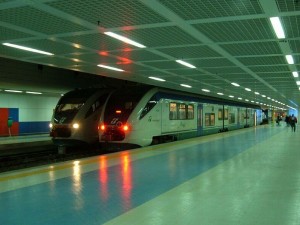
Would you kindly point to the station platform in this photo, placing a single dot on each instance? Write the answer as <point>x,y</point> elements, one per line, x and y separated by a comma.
<point>17,143</point>
<point>247,177</point>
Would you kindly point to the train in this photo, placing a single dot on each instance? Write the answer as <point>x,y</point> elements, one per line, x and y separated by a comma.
<point>76,117</point>
<point>142,116</point>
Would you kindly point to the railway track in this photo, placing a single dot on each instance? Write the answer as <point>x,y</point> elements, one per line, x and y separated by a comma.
<point>41,155</point>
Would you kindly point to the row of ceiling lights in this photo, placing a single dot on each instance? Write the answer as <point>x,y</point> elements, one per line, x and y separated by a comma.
<point>19,91</point>
<point>275,21</point>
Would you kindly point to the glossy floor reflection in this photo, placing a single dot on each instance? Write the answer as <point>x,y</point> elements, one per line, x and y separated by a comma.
<point>248,176</point>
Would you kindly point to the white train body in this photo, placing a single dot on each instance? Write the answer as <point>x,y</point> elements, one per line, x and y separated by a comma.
<point>76,117</point>
<point>142,117</point>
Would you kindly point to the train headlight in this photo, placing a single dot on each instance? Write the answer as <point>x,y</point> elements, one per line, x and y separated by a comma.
<point>50,125</point>
<point>75,125</point>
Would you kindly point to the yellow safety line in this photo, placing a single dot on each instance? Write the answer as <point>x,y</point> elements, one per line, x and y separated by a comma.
<point>69,165</point>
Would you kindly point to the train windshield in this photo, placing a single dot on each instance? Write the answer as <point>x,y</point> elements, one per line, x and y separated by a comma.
<point>70,103</point>
<point>121,104</point>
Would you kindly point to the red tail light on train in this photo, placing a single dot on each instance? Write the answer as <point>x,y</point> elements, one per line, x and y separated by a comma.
<point>125,127</point>
<point>102,127</point>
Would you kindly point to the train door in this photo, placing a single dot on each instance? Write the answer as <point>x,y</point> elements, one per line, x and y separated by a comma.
<point>200,119</point>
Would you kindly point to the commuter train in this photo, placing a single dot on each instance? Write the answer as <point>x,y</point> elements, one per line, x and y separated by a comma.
<point>76,117</point>
<point>141,116</point>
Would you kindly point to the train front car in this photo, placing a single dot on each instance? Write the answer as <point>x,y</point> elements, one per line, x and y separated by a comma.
<point>76,116</point>
<point>144,116</point>
<point>120,126</point>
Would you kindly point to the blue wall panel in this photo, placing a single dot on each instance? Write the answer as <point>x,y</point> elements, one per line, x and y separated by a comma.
<point>14,114</point>
<point>33,127</point>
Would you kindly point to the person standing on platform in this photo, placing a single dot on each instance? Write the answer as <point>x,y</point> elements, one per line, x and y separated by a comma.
<point>287,118</point>
<point>293,121</point>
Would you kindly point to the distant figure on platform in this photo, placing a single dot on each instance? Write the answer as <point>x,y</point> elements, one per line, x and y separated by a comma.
<point>278,120</point>
<point>293,121</point>
<point>287,120</point>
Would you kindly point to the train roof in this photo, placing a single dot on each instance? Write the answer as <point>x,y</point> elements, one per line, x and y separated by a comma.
<point>181,95</point>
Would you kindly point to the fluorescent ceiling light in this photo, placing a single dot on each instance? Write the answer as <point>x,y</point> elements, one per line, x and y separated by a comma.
<point>156,78</point>
<point>185,85</point>
<point>298,82</point>
<point>15,91</point>
<point>110,68</point>
<point>124,39</point>
<point>231,96</point>
<point>219,93</point>
<point>235,84</point>
<point>205,90</point>
<point>186,64</point>
<point>27,49</point>
<point>257,93</point>
<point>247,89</point>
<point>239,98</point>
<point>295,74</point>
<point>33,92</point>
<point>277,27</point>
<point>263,96</point>
<point>289,59</point>
<point>246,100</point>
<point>268,98</point>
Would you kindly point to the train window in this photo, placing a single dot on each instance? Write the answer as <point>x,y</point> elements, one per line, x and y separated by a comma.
<point>190,112</point>
<point>226,114</point>
<point>182,111</point>
<point>220,114</point>
<point>209,119</point>
<point>128,105</point>
<point>96,105</point>
<point>124,100</point>
<point>150,104</point>
<point>173,111</point>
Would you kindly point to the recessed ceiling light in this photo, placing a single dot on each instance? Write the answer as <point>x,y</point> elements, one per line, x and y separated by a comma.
<point>156,78</point>
<point>289,59</point>
<point>298,82</point>
<point>205,90</point>
<point>239,98</point>
<point>247,89</point>
<point>231,96</point>
<point>263,96</point>
<point>125,39</point>
<point>295,74</point>
<point>110,68</point>
<point>185,85</point>
<point>33,92</point>
<point>277,27</point>
<point>235,84</point>
<point>27,49</point>
<point>15,91</point>
<point>257,93</point>
<point>186,64</point>
<point>219,93</point>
